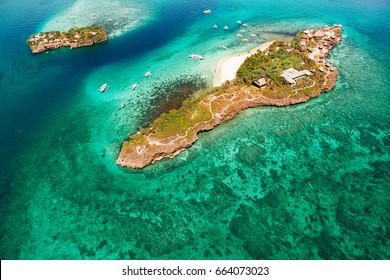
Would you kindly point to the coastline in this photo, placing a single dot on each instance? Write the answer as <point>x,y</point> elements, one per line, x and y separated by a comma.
<point>227,66</point>
<point>177,130</point>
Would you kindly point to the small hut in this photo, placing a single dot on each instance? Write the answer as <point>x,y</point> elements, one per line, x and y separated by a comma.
<point>260,83</point>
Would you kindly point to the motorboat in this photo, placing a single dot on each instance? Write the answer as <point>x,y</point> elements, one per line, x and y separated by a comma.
<point>147,74</point>
<point>239,22</point>
<point>207,12</point>
<point>245,25</point>
<point>215,26</point>
<point>223,47</point>
<point>196,57</point>
<point>134,86</point>
<point>123,105</point>
<point>103,87</point>
<point>226,27</point>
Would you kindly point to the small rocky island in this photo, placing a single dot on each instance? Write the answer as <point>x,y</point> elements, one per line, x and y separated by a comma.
<point>284,74</point>
<point>76,37</point>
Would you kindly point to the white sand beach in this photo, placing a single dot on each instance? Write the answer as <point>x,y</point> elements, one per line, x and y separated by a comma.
<point>227,67</point>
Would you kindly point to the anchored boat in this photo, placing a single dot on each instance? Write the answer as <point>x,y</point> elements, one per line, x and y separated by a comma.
<point>196,57</point>
<point>103,87</point>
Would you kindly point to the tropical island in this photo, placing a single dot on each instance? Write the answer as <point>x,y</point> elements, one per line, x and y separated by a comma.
<point>284,73</point>
<point>75,37</point>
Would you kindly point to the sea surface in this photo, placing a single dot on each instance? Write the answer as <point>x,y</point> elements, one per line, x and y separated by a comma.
<point>310,181</point>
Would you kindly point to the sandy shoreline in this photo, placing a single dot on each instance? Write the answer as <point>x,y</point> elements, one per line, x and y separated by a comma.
<point>227,67</point>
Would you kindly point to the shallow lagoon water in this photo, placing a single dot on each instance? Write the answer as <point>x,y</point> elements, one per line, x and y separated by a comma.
<point>117,16</point>
<point>309,181</point>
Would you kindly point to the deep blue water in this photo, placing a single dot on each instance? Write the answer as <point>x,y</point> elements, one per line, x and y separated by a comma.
<point>304,182</point>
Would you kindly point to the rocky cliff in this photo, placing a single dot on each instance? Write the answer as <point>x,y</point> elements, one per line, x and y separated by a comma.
<point>162,141</point>
<point>73,38</point>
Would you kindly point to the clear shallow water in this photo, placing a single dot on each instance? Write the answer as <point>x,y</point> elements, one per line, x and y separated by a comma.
<point>117,16</point>
<point>305,182</point>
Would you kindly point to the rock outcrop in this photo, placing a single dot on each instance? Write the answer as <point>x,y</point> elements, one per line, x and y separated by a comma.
<point>73,38</point>
<point>147,146</point>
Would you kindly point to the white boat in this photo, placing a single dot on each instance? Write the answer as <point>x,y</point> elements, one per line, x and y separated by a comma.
<point>147,74</point>
<point>223,47</point>
<point>215,26</point>
<point>239,22</point>
<point>123,105</point>
<point>242,31</point>
<point>134,86</point>
<point>239,35</point>
<point>103,87</point>
<point>207,12</point>
<point>225,27</point>
<point>244,24</point>
<point>196,57</point>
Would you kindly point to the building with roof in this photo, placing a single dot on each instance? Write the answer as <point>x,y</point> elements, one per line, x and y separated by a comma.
<point>291,74</point>
<point>260,83</point>
<point>319,34</point>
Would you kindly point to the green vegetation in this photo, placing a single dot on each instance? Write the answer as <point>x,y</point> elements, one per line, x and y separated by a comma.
<point>280,56</point>
<point>295,41</point>
<point>195,111</point>
<point>175,122</point>
<point>94,33</point>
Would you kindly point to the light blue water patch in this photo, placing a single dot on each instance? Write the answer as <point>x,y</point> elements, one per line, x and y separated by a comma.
<point>116,16</point>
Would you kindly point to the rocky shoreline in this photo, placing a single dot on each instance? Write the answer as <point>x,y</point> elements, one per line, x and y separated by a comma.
<point>73,38</point>
<point>146,147</point>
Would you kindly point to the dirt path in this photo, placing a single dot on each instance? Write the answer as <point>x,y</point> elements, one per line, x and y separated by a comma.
<point>213,116</point>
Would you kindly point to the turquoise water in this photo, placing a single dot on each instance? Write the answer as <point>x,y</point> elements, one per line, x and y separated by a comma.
<point>310,181</point>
